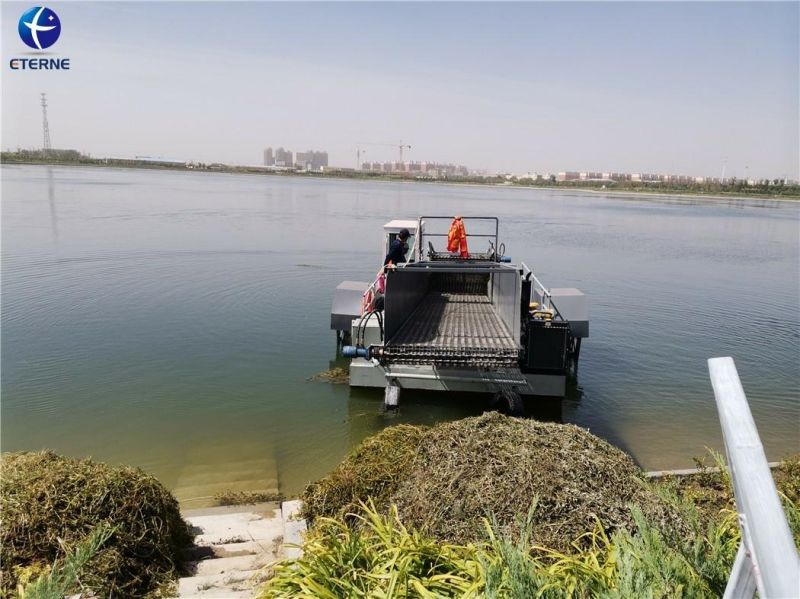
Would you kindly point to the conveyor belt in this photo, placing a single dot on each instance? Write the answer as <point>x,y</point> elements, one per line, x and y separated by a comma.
<point>453,328</point>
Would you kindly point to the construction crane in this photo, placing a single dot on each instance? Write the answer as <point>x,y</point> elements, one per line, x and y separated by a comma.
<point>401,146</point>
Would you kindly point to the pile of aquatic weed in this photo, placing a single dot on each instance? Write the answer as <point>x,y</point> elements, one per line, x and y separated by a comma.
<point>49,504</point>
<point>709,490</point>
<point>496,466</point>
<point>374,469</point>
<point>445,480</point>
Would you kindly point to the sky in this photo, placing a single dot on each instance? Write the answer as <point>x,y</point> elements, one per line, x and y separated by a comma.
<point>673,87</point>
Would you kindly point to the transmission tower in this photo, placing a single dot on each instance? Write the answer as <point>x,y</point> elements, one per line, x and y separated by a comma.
<point>45,126</point>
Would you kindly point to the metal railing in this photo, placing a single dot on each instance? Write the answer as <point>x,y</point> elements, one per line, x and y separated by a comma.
<point>419,243</point>
<point>767,559</point>
<point>544,292</point>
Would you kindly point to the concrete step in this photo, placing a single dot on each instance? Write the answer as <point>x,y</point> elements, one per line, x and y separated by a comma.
<point>232,548</point>
<point>235,528</point>
<point>242,563</point>
<point>205,552</point>
<point>240,583</point>
<point>294,529</point>
<point>266,509</point>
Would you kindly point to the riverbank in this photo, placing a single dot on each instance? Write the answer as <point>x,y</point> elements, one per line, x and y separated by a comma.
<point>566,514</point>
<point>735,191</point>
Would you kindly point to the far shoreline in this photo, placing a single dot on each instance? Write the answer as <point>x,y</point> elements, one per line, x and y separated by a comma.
<point>610,192</point>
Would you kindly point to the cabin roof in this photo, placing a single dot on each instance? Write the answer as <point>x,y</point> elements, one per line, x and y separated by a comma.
<point>394,226</point>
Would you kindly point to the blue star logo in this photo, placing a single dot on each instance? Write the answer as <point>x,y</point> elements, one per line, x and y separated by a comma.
<point>39,27</point>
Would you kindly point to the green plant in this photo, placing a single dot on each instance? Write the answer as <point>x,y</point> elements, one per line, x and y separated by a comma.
<point>378,558</point>
<point>64,574</point>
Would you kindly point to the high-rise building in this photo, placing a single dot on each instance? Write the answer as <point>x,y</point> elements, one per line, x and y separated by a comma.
<point>303,160</point>
<point>311,160</point>
<point>269,157</point>
<point>283,157</point>
<point>320,160</point>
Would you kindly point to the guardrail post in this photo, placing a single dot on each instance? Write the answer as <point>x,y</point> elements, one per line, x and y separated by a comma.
<point>767,559</point>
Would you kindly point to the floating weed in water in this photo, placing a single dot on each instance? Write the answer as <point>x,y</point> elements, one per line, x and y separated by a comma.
<point>336,376</point>
<point>231,497</point>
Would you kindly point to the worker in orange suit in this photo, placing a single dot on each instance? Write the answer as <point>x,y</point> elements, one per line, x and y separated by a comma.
<point>457,238</point>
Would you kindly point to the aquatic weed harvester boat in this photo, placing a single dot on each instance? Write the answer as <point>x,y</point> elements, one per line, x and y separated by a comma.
<point>453,320</point>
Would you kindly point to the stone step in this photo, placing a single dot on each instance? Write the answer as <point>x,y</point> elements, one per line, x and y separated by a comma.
<point>232,548</point>
<point>241,563</point>
<point>241,583</point>
<point>294,529</point>
<point>205,552</point>
<point>266,509</point>
<point>234,528</point>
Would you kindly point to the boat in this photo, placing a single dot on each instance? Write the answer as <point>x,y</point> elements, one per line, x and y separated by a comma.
<point>464,321</point>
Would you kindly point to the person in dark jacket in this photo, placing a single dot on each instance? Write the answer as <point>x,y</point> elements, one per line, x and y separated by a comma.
<point>398,249</point>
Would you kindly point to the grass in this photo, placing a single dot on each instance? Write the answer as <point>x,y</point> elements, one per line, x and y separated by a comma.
<point>383,557</point>
<point>504,508</point>
<point>50,504</point>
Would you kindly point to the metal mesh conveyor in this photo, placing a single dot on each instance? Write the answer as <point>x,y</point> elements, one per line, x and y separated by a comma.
<point>453,329</point>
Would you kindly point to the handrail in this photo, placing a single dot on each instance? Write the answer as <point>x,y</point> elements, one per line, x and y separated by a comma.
<point>767,559</point>
<point>495,219</point>
<point>545,292</point>
<point>547,298</point>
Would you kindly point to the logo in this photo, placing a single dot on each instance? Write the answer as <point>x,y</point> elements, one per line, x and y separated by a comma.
<point>39,27</point>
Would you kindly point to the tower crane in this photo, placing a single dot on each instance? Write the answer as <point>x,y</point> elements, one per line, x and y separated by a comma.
<point>400,146</point>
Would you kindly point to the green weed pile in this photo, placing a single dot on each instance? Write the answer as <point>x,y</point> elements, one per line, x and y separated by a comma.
<point>374,469</point>
<point>376,552</point>
<point>446,479</point>
<point>49,504</point>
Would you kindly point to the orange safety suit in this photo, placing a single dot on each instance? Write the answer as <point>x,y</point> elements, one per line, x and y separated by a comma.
<point>457,237</point>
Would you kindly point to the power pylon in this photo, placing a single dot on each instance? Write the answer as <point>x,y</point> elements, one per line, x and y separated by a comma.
<point>45,125</point>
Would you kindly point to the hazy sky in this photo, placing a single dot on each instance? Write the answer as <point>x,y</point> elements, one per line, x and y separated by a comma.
<point>654,87</point>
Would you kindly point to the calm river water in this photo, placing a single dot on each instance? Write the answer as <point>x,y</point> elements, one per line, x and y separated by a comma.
<point>172,320</point>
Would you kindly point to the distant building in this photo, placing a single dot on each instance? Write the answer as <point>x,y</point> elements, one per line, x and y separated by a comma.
<point>568,176</point>
<point>283,157</point>
<point>269,157</point>
<point>311,160</point>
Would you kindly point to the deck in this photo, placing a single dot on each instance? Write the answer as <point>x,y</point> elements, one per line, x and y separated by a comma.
<point>454,321</point>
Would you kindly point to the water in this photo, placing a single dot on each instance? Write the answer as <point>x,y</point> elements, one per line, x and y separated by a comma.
<point>171,320</point>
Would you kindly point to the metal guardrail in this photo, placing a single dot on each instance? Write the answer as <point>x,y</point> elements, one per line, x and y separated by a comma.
<point>767,559</point>
<point>419,243</point>
<point>544,292</point>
